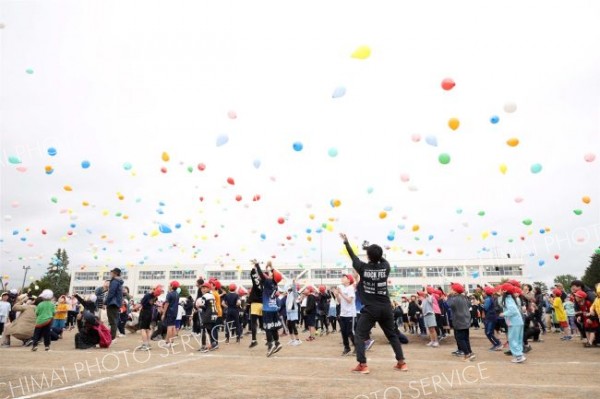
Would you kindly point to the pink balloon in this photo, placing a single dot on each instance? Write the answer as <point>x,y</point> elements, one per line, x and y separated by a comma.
<point>589,157</point>
<point>415,138</point>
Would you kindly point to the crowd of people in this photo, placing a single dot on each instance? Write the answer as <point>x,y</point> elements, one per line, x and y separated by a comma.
<point>511,314</point>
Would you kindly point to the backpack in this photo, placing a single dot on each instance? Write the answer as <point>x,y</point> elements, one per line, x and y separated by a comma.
<point>105,336</point>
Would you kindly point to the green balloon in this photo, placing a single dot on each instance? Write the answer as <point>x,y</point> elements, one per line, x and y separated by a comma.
<point>527,222</point>
<point>578,212</point>
<point>444,159</point>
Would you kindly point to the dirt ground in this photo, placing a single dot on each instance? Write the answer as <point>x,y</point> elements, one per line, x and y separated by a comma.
<point>554,369</point>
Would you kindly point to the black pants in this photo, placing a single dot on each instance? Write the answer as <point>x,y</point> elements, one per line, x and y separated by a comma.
<point>292,328</point>
<point>346,327</point>
<point>42,332</point>
<point>369,315</point>
<point>112,312</point>
<point>462,340</point>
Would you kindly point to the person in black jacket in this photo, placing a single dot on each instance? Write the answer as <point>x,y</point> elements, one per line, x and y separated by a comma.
<point>373,291</point>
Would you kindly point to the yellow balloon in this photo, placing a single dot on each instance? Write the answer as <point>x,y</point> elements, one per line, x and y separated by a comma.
<point>453,123</point>
<point>503,168</point>
<point>361,52</point>
<point>513,142</point>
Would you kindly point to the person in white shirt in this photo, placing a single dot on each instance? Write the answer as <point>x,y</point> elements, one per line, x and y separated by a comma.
<point>345,295</point>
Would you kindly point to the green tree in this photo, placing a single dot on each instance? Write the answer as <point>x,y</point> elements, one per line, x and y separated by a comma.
<point>592,273</point>
<point>565,280</point>
<point>543,286</point>
<point>57,277</point>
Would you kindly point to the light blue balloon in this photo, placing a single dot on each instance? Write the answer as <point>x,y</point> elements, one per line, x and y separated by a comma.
<point>222,140</point>
<point>339,92</point>
<point>164,228</point>
<point>431,140</point>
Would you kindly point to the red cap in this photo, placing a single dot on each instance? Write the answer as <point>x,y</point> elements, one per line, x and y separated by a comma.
<point>277,276</point>
<point>489,291</point>
<point>581,294</point>
<point>175,284</point>
<point>557,292</point>
<point>458,288</point>
<point>350,278</point>
<point>322,288</point>
<point>232,287</point>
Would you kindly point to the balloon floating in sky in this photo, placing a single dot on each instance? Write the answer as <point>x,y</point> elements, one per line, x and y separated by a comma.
<point>448,84</point>
<point>527,222</point>
<point>431,140</point>
<point>297,146</point>
<point>361,53</point>
<point>536,168</point>
<point>494,119</point>
<point>453,123</point>
<point>222,140</point>
<point>14,160</point>
<point>444,159</point>
<point>586,199</point>
<point>510,107</point>
<point>165,157</point>
<point>333,152</point>
<point>85,164</point>
<point>512,142</point>
<point>52,151</point>
<point>164,228</point>
<point>339,92</point>
<point>589,157</point>
<point>577,212</point>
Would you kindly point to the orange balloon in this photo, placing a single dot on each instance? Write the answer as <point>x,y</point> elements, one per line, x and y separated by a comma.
<point>513,142</point>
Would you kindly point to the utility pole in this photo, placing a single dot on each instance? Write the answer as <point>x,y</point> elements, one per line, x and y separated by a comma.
<point>26,268</point>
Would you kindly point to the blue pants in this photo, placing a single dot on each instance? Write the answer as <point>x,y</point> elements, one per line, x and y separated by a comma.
<point>490,326</point>
<point>515,340</point>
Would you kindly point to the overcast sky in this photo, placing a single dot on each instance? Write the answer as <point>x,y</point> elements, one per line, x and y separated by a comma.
<point>118,83</point>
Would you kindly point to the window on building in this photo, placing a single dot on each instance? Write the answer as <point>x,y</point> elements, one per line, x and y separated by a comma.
<point>84,290</point>
<point>152,275</point>
<point>86,276</point>
<point>143,289</point>
<point>182,275</point>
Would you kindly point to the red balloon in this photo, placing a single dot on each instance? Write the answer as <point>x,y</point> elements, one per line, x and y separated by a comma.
<point>230,181</point>
<point>163,169</point>
<point>281,220</point>
<point>448,84</point>
<point>201,167</point>
<point>238,198</point>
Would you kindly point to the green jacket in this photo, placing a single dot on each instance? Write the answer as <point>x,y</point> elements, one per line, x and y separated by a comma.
<point>44,312</point>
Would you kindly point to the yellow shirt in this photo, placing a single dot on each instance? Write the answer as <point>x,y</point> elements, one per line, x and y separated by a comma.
<point>559,310</point>
<point>218,303</point>
<point>596,306</point>
<point>61,311</point>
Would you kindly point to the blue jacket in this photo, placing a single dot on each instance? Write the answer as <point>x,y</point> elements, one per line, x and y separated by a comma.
<point>114,296</point>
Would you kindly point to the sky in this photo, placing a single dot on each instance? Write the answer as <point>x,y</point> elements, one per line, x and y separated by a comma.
<point>233,87</point>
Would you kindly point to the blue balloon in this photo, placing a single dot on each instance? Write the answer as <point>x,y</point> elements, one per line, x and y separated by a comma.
<point>339,92</point>
<point>164,228</point>
<point>297,146</point>
<point>222,140</point>
<point>431,140</point>
<point>85,164</point>
<point>494,119</point>
<point>52,151</point>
